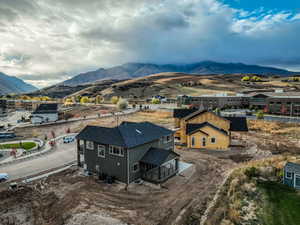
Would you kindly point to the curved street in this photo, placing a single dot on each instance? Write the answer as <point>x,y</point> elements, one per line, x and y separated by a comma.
<point>63,154</point>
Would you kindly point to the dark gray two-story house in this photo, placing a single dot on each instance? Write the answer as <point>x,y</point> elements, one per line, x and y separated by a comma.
<point>128,152</point>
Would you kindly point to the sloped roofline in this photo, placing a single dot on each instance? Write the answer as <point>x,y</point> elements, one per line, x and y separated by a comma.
<point>205,124</point>
<point>192,115</point>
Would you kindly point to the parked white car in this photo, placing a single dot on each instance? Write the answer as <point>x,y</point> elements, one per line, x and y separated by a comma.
<point>3,177</point>
<point>68,139</point>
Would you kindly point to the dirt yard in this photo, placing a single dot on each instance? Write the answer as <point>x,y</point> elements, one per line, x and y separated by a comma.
<point>69,198</point>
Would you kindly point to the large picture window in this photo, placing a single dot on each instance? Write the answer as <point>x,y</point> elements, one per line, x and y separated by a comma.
<point>90,145</point>
<point>101,151</point>
<point>116,150</point>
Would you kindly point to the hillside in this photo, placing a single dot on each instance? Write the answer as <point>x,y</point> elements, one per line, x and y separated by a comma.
<point>10,84</point>
<point>134,70</point>
<point>173,84</point>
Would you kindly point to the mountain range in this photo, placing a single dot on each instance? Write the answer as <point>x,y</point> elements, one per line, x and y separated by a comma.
<point>133,70</point>
<point>11,84</point>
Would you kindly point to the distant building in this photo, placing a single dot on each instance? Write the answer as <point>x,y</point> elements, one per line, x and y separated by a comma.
<point>128,152</point>
<point>214,101</point>
<point>291,175</point>
<point>45,113</point>
<point>278,102</point>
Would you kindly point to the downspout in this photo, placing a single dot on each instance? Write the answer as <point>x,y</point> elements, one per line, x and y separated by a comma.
<point>128,174</point>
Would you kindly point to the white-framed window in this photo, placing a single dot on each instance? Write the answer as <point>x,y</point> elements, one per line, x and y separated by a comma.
<point>168,138</point>
<point>101,151</point>
<point>81,142</point>
<point>116,150</point>
<point>90,145</point>
<point>288,175</point>
<point>136,167</point>
<point>297,180</point>
<point>193,141</point>
<point>213,140</point>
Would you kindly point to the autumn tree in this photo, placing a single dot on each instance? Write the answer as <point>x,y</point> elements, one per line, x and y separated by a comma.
<point>114,99</point>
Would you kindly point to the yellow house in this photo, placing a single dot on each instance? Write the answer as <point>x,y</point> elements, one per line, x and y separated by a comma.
<point>205,129</point>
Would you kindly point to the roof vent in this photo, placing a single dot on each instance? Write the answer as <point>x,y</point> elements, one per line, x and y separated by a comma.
<point>138,131</point>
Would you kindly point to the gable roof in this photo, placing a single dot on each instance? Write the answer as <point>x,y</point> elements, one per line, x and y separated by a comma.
<point>128,134</point>
<point>199,112</point>
<point>238,123</point>
<point>46,108</point>
<point>192,128</point>
<point>293,167</point>
<point>181,113</point>
<point>157,156</point>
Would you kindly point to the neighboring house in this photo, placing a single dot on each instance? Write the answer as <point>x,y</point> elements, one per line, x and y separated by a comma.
<point>45,113</point>
<point>291,175</point>
<point>206,130</point>
<point>128,152</point>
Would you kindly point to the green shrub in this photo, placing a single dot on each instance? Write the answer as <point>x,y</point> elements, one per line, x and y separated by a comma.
<point>155,101</point>
<point>251,172</point>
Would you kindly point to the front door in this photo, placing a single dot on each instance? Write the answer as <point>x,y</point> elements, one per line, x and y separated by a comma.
<point>204,142</point>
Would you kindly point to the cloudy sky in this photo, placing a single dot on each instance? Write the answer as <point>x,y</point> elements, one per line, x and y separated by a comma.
<point>47,41</point>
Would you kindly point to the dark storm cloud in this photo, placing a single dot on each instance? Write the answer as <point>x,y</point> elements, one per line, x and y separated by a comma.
<point>53,39</point>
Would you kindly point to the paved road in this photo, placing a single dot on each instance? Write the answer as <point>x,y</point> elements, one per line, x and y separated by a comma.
<point>64,153</point>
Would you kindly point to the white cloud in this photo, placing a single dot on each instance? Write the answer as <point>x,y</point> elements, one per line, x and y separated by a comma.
<point>51,40</point>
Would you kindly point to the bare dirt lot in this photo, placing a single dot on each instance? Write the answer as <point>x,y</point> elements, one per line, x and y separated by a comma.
<point>61,198</point>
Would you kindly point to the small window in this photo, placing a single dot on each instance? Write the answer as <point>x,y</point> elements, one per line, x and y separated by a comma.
<point>90,145</point>
<point>193,141</point>
<point>101,151</point>
<point>213,140</point>
<point>136,167</point>
<point>168,139</point>
<point>116,150</point>
<point>288,175</point>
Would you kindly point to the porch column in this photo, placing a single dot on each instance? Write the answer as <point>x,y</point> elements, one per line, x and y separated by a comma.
<point>78,153</point>
<point>159,173</point>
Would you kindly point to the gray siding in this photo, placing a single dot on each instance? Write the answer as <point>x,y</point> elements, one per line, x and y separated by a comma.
<point>137,153</point>
<point>111,165</point>
<point>290,182</point>
<point>117,166</point>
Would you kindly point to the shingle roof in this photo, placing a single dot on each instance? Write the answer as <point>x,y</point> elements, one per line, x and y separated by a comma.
<point>181,113</point>
<point>128,134</point>
<point>157,157</point>
<point>46,108</point>
<point>191,128</point>
<point>238,123</point>
<point>293,167</point>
